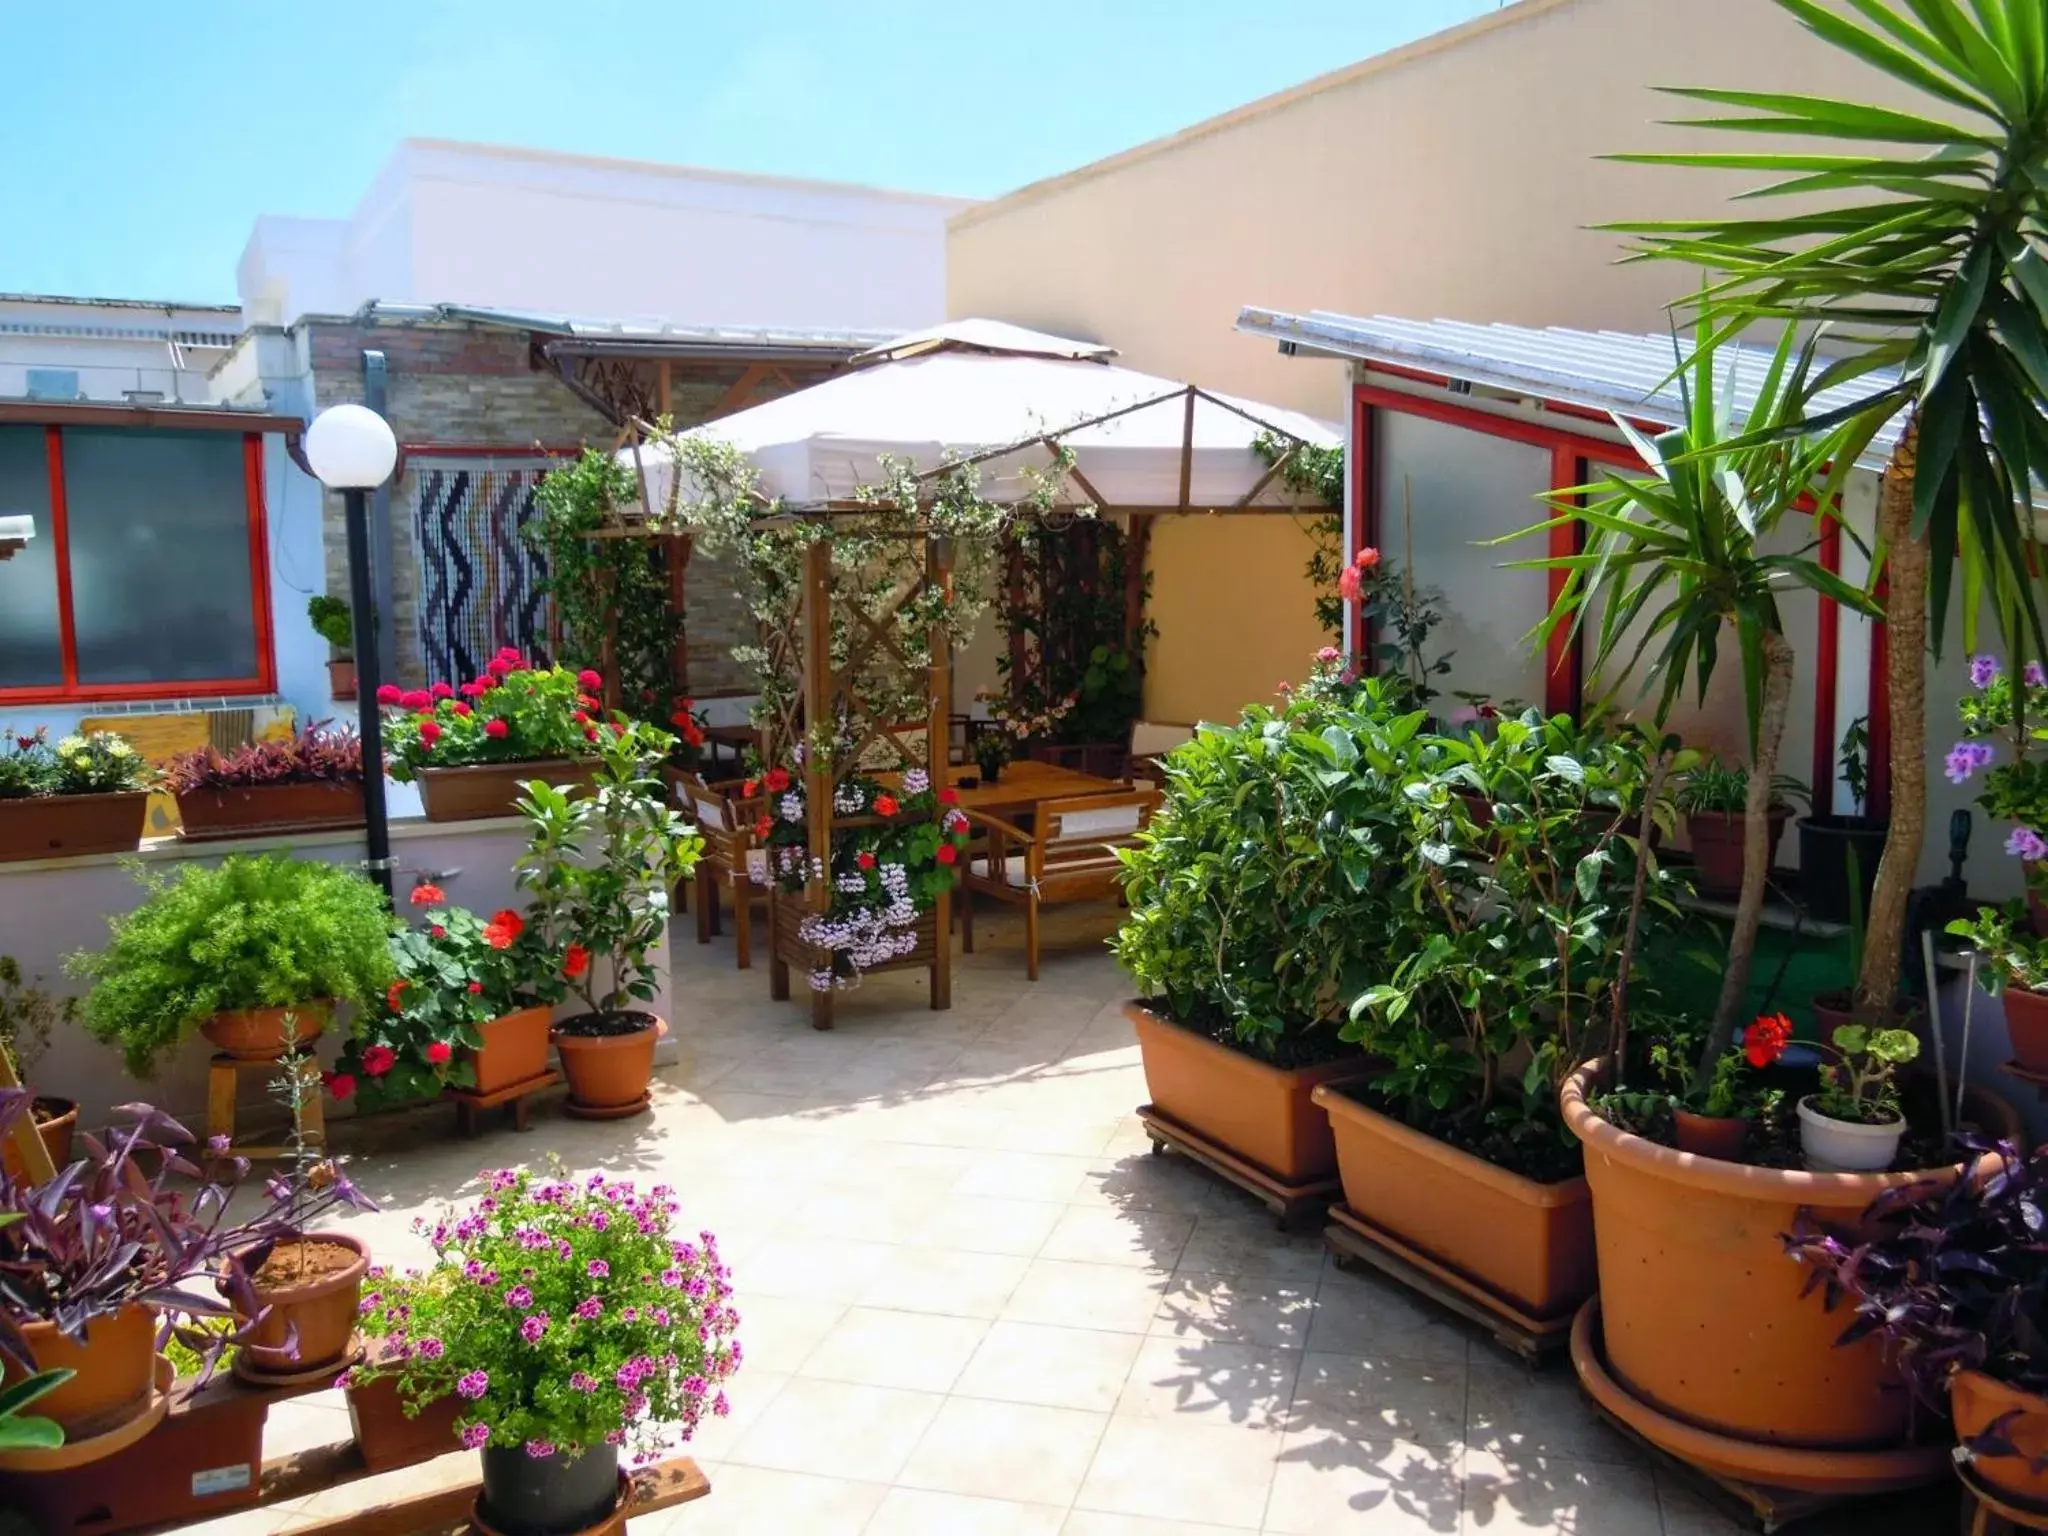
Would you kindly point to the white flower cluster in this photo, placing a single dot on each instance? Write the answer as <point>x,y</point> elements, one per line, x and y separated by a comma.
<point>866,936</point>
<point>792,807</point>
<point>848,799</point>
<point>916,781</point>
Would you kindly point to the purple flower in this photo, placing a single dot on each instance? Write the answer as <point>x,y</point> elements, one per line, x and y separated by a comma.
<point>597,1269</point>
<point>519,1296</point>
<point>696,1386</point>
<point>532,1329</point>
<point>1965,758</point>
<point>2036,675</point>
<point>474,1385</point>
<point>1983,671</point>
<point>540,1450</point>
<point>720,1406</point>
<point>2026,843</point>
<point>589,1307</point>
<point>430,1349</point>
<point>476,1436</point>
<point>583,1381</point>
<point>672,1278</point>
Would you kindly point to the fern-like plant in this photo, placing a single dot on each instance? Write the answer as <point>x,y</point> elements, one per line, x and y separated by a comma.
<point>258,931</point>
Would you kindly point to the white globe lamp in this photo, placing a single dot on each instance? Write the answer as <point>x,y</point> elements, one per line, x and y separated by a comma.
<point>350,447</point>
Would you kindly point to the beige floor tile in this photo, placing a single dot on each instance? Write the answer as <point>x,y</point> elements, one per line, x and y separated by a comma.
<point>921,1512</point>
<point>812,1269</point>
<point>881,1348</point>
<point>1142,1239</point>
<point>1106,1296</point>
<point>1199,1381</point>
<point>1005,1451</point>
<point>838,1429</point>
<point>1422,1401</point>
<point>1025,1176</point>
<point>778,1333</point>
<point>1141,1182</point>
<point>1522,1416</point>
<point>866,1214</point>
<point>1051,1366</point>
<point>914,1279</point>
<point>1581,1497</point>
<point>1093,1522</point>
<point>1266,1314</point>
<point>1377,1319</point>
<point>1374,1487</point>
<point>987,1224</point>
<point>748,1394</point>
<point>1181,1472</point>
<point>1239,1244</point>
<point>750,1501</point>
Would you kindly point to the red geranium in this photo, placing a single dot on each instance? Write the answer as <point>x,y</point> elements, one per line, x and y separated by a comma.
<point>949,796</point>
<point>948,854</point>
<point>439,1052</point>
<point>390,693</point>
<point>497,666</point>
<point>777,780</point>
<point>589,679</point>
<point>763,827</point>
<point>750,789</point>
<point>1765,1040</point>
<point>575,961</point>
<point>417,698</point>
<point>475,987</point>
<point>428,894</point>
<point>864,859</point>
<point>429,734</point>
<point>442,691</point>
<point>459,707</point>
<point>391,997</point>
<point>885,805</point>
<point>503,928</point>
<point>590,733</point>
<point>438,931</point>
<point>379,1059</point>
<point>497,730</point>
<point>341,1084</point>
<point>1351,585</point>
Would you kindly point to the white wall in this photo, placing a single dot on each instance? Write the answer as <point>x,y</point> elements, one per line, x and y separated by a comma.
<point>567,234</point>
<point>114,348</point>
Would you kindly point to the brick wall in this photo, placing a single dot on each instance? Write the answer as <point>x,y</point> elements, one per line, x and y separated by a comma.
<point>459,385</point>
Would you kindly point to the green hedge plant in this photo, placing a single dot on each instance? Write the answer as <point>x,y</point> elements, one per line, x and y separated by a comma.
<point>256,931</point>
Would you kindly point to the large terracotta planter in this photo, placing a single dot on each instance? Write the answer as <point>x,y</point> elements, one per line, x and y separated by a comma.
<point>259,1034</point>
<point>1527,1243</point>
<point>261,809</point>
<point>56,1122</point>
<point>609,1074</point>
<point>1704,1317</point>
<point>1260,1112</point>
<point>1975,1401</point>
<point>1717,838</point>
<point>492,789</point>
<point>116,1366</point>
<point>321,1307</point>
<point>65,826</point>
<point>515,1049</point>
<point>2026,1021</point>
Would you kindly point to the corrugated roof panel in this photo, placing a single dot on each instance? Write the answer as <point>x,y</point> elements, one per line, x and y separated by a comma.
<point>631,328</point>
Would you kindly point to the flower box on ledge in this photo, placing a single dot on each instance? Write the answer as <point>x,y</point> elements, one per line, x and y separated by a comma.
<point>63,826</point>
<point>493,789</point>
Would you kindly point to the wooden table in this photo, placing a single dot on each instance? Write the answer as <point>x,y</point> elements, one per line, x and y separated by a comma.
<point>1023,785</point>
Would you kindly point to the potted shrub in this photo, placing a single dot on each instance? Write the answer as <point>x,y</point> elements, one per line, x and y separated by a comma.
<point>1853,1124</point>
<point>2016,968</point>
<point>2016,790</point>
<point>303,782</point>
<point>334,622</point>
<point>1714,796</point>
<point>1715,1121</point>
<point>28,1017</point>
<point>471,748</point>
<point>86,794</point>
<point>231,951</point>
<point>600,868</point>
<point>1256,908</point>
<point>1507,969</point>
<point>1838,855</point>
<point>572,1324</point>
<point>1953,1281</point>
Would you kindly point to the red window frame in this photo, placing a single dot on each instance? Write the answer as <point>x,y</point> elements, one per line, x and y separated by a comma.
<point>71,690</point>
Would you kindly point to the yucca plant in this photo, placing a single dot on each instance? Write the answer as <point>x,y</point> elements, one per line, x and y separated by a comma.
<point>1683,559</point>
<point>1927,250</point>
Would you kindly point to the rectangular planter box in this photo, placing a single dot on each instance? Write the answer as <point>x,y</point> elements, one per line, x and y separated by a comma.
<point>1529,1244</point>
<point>1259,1112</point>
<point>491,789</point>
<point>261,809</point>
<point>515,1049</point>
<point>387,1438</point>
<point>62,826</point>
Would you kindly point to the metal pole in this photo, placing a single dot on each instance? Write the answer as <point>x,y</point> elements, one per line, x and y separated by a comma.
<point>369,676</point>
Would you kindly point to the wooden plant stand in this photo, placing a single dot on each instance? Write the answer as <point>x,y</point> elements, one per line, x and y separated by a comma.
<point>786,913</point>
<point>223,1085</point>
<point>1291,1204</point>
<point>1991,1514</point>
<point>468,1102</point>
<point>1354,1241</point>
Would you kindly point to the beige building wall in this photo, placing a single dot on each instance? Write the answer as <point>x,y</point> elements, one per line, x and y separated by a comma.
<point>1455,178</point>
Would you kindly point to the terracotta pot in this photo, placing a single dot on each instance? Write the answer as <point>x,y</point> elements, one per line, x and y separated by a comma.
<point>258,1034</point>
<point>1260,1112</point>
<point>264,808</point>
<point>341,678</point>
<point>492,789</point>
<point>1717,847</point>
<point>1974,1402</point>
<point>1719,1136</point>
<point>609,1072</point>
<point>1704,1316</point>
<point>65,826</point>
<point>116,1365</point>
<point>2026,1021</point>
<point>386,1437</point>
<point>515,1049</point>
<point>322,1309</point>
<point>56,1122</point>
<point>1530,1244</point>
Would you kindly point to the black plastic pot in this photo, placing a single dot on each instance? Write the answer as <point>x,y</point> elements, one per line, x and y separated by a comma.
<point>1824,847</point>
<point>549,1495</point>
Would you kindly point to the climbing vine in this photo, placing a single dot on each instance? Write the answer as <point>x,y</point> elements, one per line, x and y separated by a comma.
<point>1063,611</point>
<point>1318,472</point>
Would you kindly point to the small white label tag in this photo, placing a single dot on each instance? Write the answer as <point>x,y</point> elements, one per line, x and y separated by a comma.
<point>757,865</point>
<point>221,1480</point>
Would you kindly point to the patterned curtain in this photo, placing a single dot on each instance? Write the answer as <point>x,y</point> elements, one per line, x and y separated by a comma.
<point>478,580</point>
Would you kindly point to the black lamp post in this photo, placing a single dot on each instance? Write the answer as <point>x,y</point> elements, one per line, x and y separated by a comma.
<point>351,449</point>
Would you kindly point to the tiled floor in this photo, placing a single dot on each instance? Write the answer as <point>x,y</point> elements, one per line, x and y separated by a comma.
<point>972,1303</point>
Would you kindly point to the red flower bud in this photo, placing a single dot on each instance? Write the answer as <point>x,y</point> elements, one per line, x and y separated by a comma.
<point>497,730</point>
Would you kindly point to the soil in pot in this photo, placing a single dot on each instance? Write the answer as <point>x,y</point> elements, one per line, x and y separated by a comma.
<point>556,1495</point>
<point>1259,1110</point>
<point>1976,1401</point>
<point>311,1283</point>
<point>515,1049</point>
<point>608,1058</point>
<point>1827,847</point>
<point>1717,838</point>
<point>260,1034</point>
<point>115,1360</point>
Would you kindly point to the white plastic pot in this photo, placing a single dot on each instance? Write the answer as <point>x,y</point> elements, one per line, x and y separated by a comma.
<point>1846,1146</point>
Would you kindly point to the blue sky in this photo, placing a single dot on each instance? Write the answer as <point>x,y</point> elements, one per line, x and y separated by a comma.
<point>144,138</point>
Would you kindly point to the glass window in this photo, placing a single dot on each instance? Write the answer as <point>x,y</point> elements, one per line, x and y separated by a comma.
<point>31,647</point>
<point>159,545</point>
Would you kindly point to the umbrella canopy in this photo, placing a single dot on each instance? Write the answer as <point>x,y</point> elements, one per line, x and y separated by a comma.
<point>985,390</point>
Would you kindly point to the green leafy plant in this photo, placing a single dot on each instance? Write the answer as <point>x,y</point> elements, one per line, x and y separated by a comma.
<point>1855,763</point>
<point>96,763</point>
<point>992,752</point>
<point>333,621</point>
<point>21,1430</point>
<point>1859,1084</point>
<point>513,713</point>
<point>2014,957</point>
<point>1070,654</point>
<point>29,1016</point>
<point>1734,1091</point>
<point>255,931</point>
<point>1718,788</point>
<point>1310,469</point>
<point>599,868</point>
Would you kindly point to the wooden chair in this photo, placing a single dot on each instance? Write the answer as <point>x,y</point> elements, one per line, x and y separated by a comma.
<point>726,823</point>
<point>1070,857</point>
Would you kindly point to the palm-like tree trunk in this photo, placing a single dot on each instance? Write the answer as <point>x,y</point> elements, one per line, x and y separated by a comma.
<point>1756,851</point>
<point>1905,618</point>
